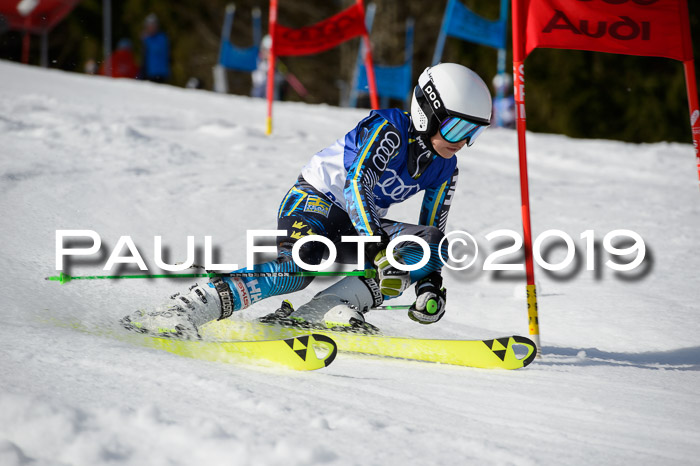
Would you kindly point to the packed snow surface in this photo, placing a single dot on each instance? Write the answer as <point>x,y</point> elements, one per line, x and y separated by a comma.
<point>618,383</point>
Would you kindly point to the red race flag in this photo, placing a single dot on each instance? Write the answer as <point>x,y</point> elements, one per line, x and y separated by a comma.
<point>655,28</point>
<point>317,38</point>
<point>321,36</point>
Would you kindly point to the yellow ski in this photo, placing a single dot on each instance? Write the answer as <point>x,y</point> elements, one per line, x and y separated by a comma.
<point>303,352</point>
<point>498,353</point>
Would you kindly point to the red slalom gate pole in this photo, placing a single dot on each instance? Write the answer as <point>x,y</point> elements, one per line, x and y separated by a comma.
<point>369,65</point>
<point>271,67</point>
<point>531,290</point>
<point>692,89</point>
<point>519,93</point>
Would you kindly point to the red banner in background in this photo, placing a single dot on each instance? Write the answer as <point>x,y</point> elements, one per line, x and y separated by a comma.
<point>316,38</point>
<point>43,17</point>
<point>657,28</point>
<point>321,36</point>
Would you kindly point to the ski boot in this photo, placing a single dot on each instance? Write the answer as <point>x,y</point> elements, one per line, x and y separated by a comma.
<point>340,318</point>
<point>340,308</point>
<point>179,317</point>
<point>346,318</point>
<point>283,317</point>
<point>430,300</point>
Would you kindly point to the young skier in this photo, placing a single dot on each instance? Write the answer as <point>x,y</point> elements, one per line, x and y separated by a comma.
<point>345,190</point>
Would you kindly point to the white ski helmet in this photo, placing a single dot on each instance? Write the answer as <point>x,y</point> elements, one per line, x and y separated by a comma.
<point>453,99</point>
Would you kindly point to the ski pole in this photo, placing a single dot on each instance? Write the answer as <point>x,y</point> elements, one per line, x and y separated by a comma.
<point>432,307</point>
<point>368,273</point>
<point>392,307</point>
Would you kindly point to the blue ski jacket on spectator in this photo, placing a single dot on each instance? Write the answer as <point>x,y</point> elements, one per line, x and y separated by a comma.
<point>156,56</point>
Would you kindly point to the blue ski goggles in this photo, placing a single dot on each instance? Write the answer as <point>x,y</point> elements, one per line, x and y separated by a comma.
<point>455,129</point>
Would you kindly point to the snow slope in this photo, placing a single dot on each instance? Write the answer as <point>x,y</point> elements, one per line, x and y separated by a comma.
<point>617,384</point>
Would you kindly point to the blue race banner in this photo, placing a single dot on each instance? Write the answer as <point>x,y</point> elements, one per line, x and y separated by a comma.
<point>239,58</point>
<point>393,82</point>
<point>462,23</point>
<point>467,25</point>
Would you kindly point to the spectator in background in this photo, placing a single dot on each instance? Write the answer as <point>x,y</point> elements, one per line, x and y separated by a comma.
<point>259,76</point>
<point>504,103</point>
<point>122,63</point>
<point>90,66</point>
<point>156,51</point>
<point>194,83</point>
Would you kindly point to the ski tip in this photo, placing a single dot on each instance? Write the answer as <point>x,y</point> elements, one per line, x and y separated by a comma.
<point>532,348</point>
<point>314,349</point>
<point>330,345</point>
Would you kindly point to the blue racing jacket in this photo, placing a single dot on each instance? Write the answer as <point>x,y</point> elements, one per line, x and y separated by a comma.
<point>379,163</point>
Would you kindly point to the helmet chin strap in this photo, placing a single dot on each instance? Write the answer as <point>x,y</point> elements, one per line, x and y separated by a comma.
<point>420,154</point>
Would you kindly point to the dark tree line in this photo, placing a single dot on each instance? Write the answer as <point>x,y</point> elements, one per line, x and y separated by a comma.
<point>580,94</point>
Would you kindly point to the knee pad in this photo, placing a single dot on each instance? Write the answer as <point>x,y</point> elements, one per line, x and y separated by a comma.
<point>357,292</point>
<point>362,293</point>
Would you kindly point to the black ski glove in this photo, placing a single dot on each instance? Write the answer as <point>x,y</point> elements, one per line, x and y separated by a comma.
<point>430,300</point>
